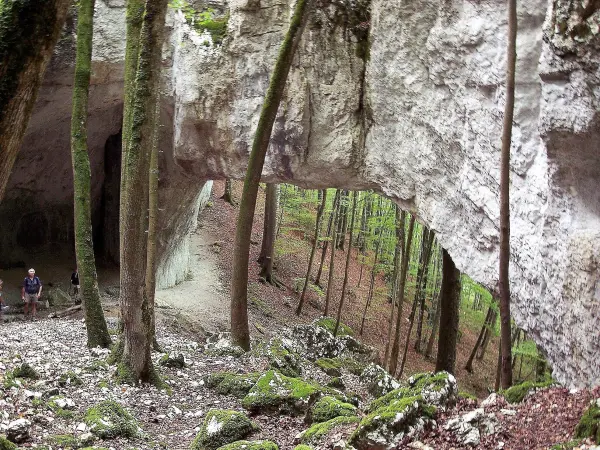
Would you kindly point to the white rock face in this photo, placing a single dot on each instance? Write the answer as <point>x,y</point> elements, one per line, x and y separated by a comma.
<point>418,117</point>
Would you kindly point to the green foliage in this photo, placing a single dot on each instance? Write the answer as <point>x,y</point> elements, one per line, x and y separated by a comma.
<point>109,420</point>
<point>250,445</point>
<point>5,444</point>
<point>222,427</point>
<point>567,445</point>
<point>328,408</point>
<point>227,383</point>
<point>320,430</point>
<point>517,393</point>
<point>206,20</point>
<point>589,425</point>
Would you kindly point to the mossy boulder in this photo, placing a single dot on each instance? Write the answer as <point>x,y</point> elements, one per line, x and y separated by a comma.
<point>174,362</point>
<point>589,425</point>
<point>332,367</point>
<point>318,432</point>
<point>5,444</point>
<point>274,392</point>
<point>328,323</point>
<point>353,365</point>
<point>25,371</point>
<point>328,408</point>
<point>391,422</point>
<point>222,427</point>
<point>283,359</point>
<point>439,389</point>
<point>227,383</point>
<point>109,420</point>
<point>250,445</point>
<point>337,383</point>
<point>313,342</point>
<point>378,381</point>
<point>221,345</point>
<point>516,393</point>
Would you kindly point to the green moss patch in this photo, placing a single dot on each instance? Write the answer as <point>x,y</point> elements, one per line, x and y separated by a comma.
<point>331,366</point>
<point>205,20</point>
<point>328,323</point>
<point>282,359</point>
<point>250,445</point>
<point>336,383</point>
<point>316,433</point>
<point>25,371</point>
<point>274,392</point>
<point>517,393</point>
<point>227,383</point>
<point>64,440</point>
<point>222,427</point>
<point>589,425</point>
<point>109,420</point>
<point>328,408</point>
<point>303,447</point>
<point>5,444</point>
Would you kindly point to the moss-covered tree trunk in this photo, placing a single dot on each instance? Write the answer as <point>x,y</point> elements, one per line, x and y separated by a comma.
<point>136,364</point>
<point>400,224</point>
<point>97,331</point>
<point>29,30</point>
<point>504,282</point>
<point>450,302</point>
<point>345,282</point>
<point>393,364</point>
<point>313,250</point>
<point>240,331</point>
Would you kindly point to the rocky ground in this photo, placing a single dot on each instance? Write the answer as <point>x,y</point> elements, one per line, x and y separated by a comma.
<point>301,376</point>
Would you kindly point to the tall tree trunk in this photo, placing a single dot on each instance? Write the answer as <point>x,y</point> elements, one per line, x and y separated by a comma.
<point>393,363</point>
<point>228,193</point>
<point>97,331</point>
<point>29,30</point>
<point>136,364</point>
<point>498,368</point>
<point>372,281</point>
<point>511,60</point>
<point>336,200</point>
<point>313,250</point>
<point>435,326</point>
<point>345,282</point>
<point>398,251</point>
<point>342,222</point>
<point>487,335</point>
<point>268,243</point>
<point>330,278</point>
<point>240,332</point>
<point>446,356</point>
<point>486,321</point>
<point>422,287</point>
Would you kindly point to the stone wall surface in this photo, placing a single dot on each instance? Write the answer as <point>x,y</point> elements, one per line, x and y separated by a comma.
<point>402,97</point>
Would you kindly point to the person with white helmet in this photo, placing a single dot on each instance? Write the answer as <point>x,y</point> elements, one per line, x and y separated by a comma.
<point>31,292</point>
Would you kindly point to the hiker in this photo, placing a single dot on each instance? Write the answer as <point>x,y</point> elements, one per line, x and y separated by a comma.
<point>31,292</point>
<point>75,282</point>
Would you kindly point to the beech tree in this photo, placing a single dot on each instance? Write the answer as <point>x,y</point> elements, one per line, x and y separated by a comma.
<point>504,282</point>
<point>97,331</point>
<point>239,284</point>
<point>29,30</point>
<point>136,364</point>
<point>268,240</point>
<point>450,301</point>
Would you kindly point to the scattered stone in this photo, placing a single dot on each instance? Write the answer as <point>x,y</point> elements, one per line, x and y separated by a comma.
<point>109,420</point>
<point>222,427</point>
<point>52,392</point>
<point>63,403</point>
<point>492,400</point>
<point>274,392</point>
<point>378,381</point>
<point>18,430</point>
<point>58,297</point>
<point>318,432</point>
<point>174,362</point>
<point>220,345</point>
<point>328,408</point>
<point>314,342</point>
<point>470,427</point>
<point>25,371</point>
<point>69,378</point>
<point>508,412</point>
<point>227,383</point>
<point>438,389</point>
<point>250,445</point>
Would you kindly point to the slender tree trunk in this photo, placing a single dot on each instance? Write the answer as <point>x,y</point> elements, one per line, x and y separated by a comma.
<point>393,364</point>
<point>336,200</point>
<point>487,335</point>
<point>372,281</point>
<point>136,364</point>
<point>97,331</point>
<point>268,243</point>
<point>435,327</point>
<point>398,251</point>
<point>239,285</point>
<point>446,356</point>
<point>422,290</point>
<point>330,280</point>
<point>282,205</point>
<point>345,282</point>
<point>488,317</point>
<point>29,30</point>
<point>342,221</point>
<point>511,57</point>
<point>228,193</point>
<point>498,368</point>
<point>313,250</point>
<point>516,344</point>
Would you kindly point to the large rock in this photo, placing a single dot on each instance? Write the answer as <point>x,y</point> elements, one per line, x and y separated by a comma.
<point>18,431</point>
<point>411,108</point>
<point>470,427</point>
<point>222,427</point>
